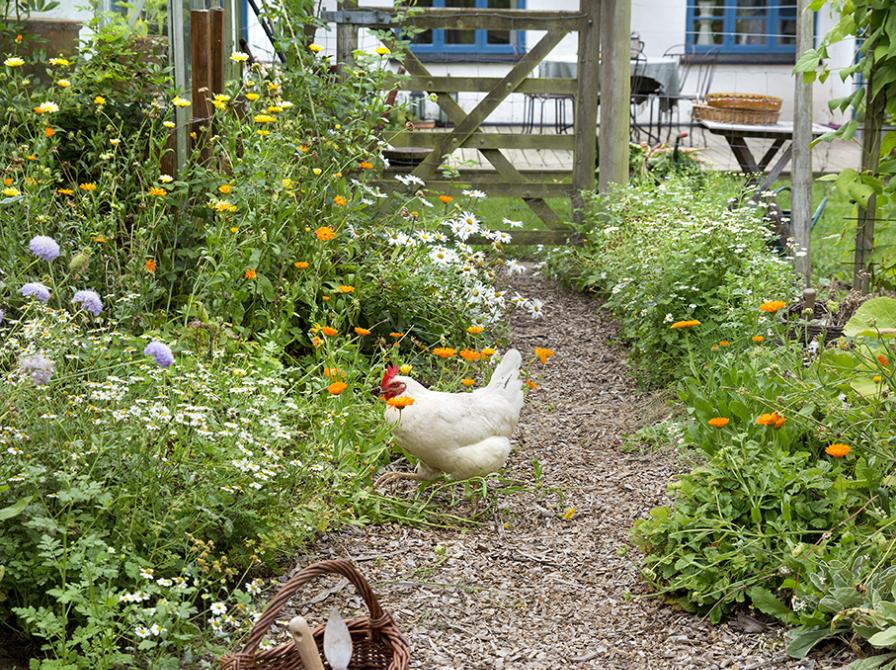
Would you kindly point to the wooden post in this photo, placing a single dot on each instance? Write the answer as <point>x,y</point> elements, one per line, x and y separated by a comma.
<point>615,81</point>
<point>801,163</point>
<point>200,44</point>
<point>589,87</point>
<point>346,36</point>
<point>871,135</point>
<point>217,57</point>
<point>177,56</point>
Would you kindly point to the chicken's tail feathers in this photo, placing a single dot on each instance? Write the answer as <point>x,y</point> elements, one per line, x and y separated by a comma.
<point>506,377</point>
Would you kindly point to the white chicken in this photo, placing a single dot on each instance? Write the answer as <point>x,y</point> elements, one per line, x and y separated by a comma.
<point>461,435</point>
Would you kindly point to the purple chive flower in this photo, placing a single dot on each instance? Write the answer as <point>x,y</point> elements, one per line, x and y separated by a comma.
<point>161,352</point>
<point>38,367</point>
<point>89,300</point>
<point>35,289</point>
<point>44,247</point>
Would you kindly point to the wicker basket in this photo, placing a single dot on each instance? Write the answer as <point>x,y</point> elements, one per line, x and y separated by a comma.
<point>377,642</point>
<point>747,117</point>
<point>754,101</point>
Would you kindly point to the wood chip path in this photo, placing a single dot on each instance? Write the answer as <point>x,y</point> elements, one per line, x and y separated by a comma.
<point>544,593</point>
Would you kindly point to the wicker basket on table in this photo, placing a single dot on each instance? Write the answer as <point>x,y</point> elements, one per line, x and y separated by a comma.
<point>750,109</point>
<point>377,642</point>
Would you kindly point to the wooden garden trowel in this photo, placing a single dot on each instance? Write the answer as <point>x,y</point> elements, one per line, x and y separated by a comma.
<point>337,642</point>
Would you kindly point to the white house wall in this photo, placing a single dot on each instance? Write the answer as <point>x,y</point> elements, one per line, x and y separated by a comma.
<point>660,24</point>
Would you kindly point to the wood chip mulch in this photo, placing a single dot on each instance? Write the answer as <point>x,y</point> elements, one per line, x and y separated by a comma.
<point>527,589</point>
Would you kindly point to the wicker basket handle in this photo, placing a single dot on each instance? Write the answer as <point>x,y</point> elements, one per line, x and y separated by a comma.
<point>378,618</point>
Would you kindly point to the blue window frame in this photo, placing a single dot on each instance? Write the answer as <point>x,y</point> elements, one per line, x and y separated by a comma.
<point>742,26</point>
<point>470,41</point>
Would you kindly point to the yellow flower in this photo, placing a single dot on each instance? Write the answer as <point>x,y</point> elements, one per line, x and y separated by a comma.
<point>316,171</point>
<point>304,148</point>
<point>178,101</point>
<point>365,165</point>
<point>339,201</point>
<point>469,355</point>
<point>466,381</point>
<point>87,186</point>
<point>225,188</point>
<point>252,97</point>
<point>250,273</point>
<point>758,339</point>
<point>239,57</point>
<point>315,48</point>
<point>100,101</point>
<point>475,330</point>
<point>10,192</point>
<point>396,335</point>
<point>877,379</point>
<point>263,133</point>
<point>63,83</point>
<point>400,402</point>
<point>569,514</point>
<point>329,331</point>
<point>487,352</point>
<point>543,354</point>
<point>168,124</point>
<point>234,229</point>
<point>719,421</point>
<point>444,352</point>
<point>287,182</point>
<point>837,450</point>
<point>724,343</point>
<point>157,192</point>
<point>264,118</point>
<point>772,419</point>
<point>336,388</point>
<point>405,369</point>
<point>301,265</point>
<point>222,206</point>
<point>772,306</point>
<point>325,233</point>
<point>14,61</point>
<point>7,181</point>
<point>342,288</point>
<point>531,384</point>
<point>59,62</point>
<point>685,324</point>
<point>99,239</point>
<point>274,109</point>
<point>445,199</point>
<point>65,191</point>
<point>382,51</point>
<point>49,131</point>
<point>361,331</point>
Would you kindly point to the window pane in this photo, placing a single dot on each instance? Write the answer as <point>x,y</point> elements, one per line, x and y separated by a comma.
<point>753,7</point>
<point>788,25</point>
<point>454,4</point>
<point>751,31</point>
<point>499,37</point>
<point>500,4</point>
<point>425,36</point>
<point>460,37</point>
<point>708,26</point>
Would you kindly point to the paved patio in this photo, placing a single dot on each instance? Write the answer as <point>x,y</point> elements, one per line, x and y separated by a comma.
<point>711,149</point>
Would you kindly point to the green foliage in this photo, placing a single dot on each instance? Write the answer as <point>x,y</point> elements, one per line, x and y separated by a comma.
<point>670,252</point>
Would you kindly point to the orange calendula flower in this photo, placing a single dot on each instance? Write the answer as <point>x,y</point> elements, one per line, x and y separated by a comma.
<point>157,192</point>
<point>150,266</point>
<point>466,381</point>
<point>325,233</point>
<point>772,419</point>
<point>883,361</point>
<point>837,450</point>
<point>475,330</point>
<point>444,352</point>
<point>336,388</point>
<point>469,355</point>
<point>445,198</point>
<point>87,186</point>
<point>361,331</point>
<point>339,201</point>
<point>400,402</point>
<point>301,265</point>
<point>690,323</point>
<point>342,288</point>
<point>333,372</point>
<point>758,339</point>
<point>250,273</point>
<point>772,306</point>
<point>487,352</point>
<point>532,385</point>
<point>49,131</point>
<point>329,331</point>
<point>724,343</point>
<point>543,354</point>
<point>718,421</point>
<point>365,165</point>
<point>396,335</point>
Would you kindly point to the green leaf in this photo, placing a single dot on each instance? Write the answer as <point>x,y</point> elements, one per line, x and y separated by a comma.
<point>884,638</point>
<point>807,62</point>
<point>15,509</point>
<point>803,640</point>
<point>767,603</point>
<point>871,663</point>
<point>860,192</point>
<point>877,315</point>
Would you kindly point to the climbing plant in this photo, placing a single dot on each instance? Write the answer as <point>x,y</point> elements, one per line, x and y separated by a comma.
<point>873,23</point>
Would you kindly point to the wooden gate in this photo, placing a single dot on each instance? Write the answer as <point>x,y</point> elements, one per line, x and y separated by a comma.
<point>505,179</point>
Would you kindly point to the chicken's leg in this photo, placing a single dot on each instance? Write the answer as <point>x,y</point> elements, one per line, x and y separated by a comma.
<point>392,477</point>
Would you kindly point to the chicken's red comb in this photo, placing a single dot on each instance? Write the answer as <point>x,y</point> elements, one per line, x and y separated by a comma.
<point>391,371</point>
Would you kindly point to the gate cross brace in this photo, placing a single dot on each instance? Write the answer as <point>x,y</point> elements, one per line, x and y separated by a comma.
<point>467,124</point>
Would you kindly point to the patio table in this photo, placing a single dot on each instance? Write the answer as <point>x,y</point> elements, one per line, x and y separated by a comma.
<point>780,133</point>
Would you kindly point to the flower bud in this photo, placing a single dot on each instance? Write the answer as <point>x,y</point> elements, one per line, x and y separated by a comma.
<point>79,262</point>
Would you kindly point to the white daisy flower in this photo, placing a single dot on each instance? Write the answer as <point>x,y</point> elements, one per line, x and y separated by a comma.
<point>218,609</point>
<point>476,194</point>
<point>142,632</point>
<point>511,223</point>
